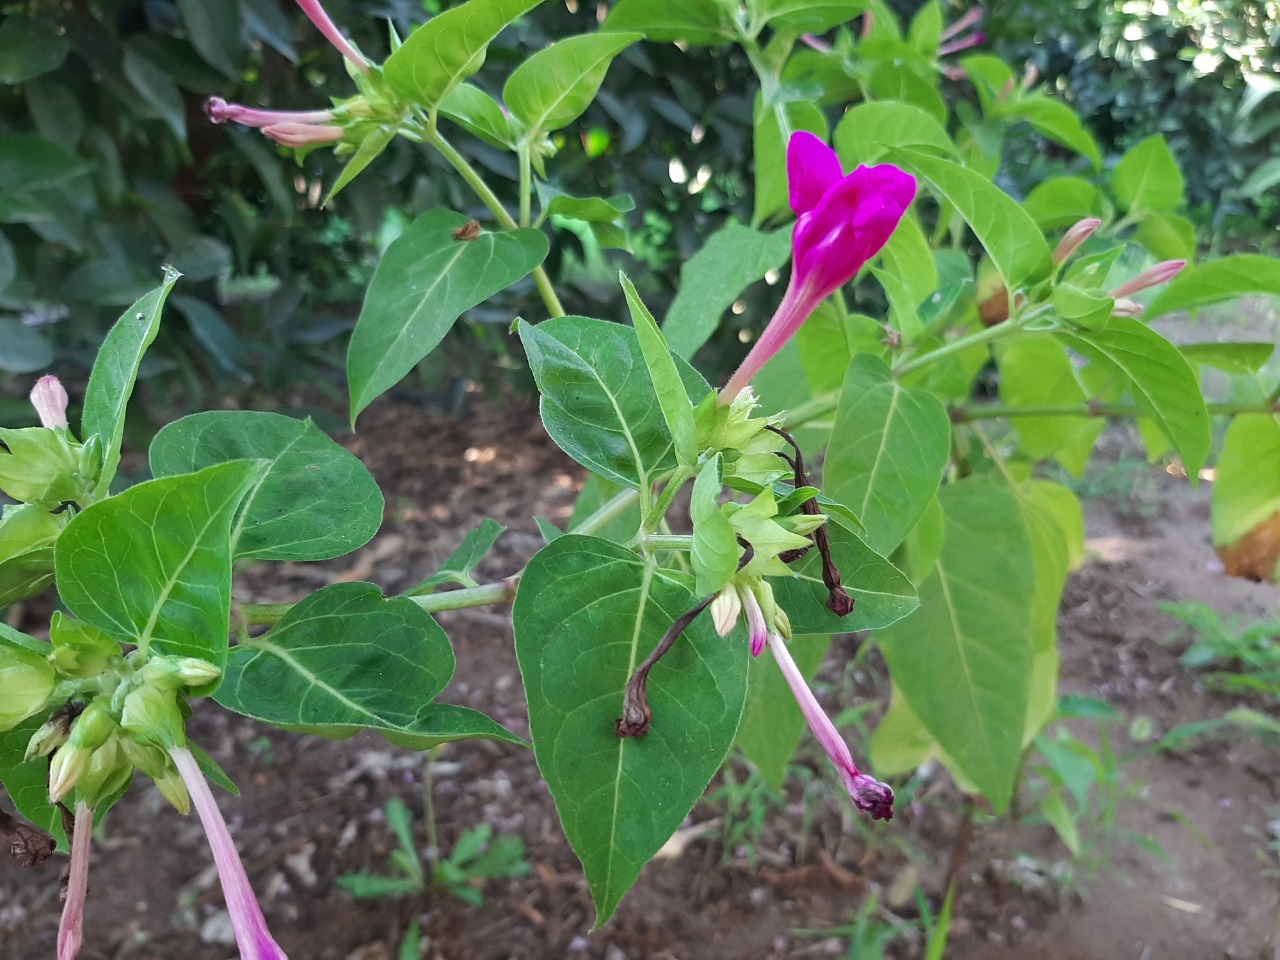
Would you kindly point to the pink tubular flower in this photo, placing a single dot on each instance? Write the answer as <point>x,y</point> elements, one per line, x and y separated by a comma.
<point>842,221</point>
<point>71,928</point>
<point>252,936</point>
<point>320,18</point>
<point>301,134</point>
<point>219,111</point>
<point>1073,238</point>
<point>868,794</point>
<point>1151,277</point>
<point>972,17</point>
<point>49,397</point>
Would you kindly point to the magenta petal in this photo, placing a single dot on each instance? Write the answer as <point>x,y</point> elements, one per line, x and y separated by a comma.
<point>812,169</point>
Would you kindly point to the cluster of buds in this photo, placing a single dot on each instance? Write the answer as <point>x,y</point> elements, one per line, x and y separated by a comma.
<point>51,475</point>
<point>1154,276</point>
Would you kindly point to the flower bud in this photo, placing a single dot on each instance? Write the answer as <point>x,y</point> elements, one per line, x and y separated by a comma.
<point>49,398</point>
<point>802,523</point>
<point>1162,272</point>
<point>1126,308</point>
<point>91,730</point>
<point>725,609</point>
<point>151,715</point>
<point>781,622</point>
<point>51,735</point>
<point>156,765</point>
<point>26,682</point>
<point>1073,238</point>
<point>107,774</point>
<point>80,650</point>
<point>170,673</point>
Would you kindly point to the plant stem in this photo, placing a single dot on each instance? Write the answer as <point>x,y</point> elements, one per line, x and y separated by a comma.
<point>666,541</point>
<point>992,411</point>
<point>504,591</point>
<point>985,335</point>
<point>490,200</point>
<point>611,508</point>
<point>526,182</point>
<point>678,480</point>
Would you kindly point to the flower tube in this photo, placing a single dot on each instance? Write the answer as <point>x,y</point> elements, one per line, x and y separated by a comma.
<point>320,17</point>
<point>71,927</point>
<point>868,794</point>
<point>219,111</point>
<point>252,936</point>
<point>842,222</point>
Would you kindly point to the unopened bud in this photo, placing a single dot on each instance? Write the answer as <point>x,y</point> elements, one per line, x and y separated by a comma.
<point>79,649</point>
<point>26,683</point>
<point>155,764</point>
<point>1126,308</point>
<point>91,730</point>
<point>781,622</point>
<point>174,790</point>
<point>725,609</point>
<point>302,134</point>
<point>170,673</point>
<point>51,735</point>
<point>49,398</point>
<point>1030,75</point>
<point>65,769</point>
<point>1151,277</point>
<point>802,523</point>
<point>1073,238</point>
<point>107,773</point>
<point>151,715</point>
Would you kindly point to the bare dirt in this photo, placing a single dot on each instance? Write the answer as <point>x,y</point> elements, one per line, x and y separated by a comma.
<point>312,809</point>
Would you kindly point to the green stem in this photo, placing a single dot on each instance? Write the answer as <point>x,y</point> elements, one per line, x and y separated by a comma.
<point>992,411</point>
<point>985,335</point>
<point>660,508</point>
<point>526,183</point>
<point>665,541</point>
<point>611,508</point>
<point>504,591</point>
<point>490,200</point>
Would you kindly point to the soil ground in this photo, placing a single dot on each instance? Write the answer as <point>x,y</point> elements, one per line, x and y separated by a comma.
<point>312,809</point>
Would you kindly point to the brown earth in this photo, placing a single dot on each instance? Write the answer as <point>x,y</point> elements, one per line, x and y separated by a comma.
<point>313,809</point>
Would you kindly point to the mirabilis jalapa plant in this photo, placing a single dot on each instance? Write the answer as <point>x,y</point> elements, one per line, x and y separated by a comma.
<point>638,646</point>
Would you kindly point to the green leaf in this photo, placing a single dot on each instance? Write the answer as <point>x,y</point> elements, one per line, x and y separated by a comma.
<point>1055,529</point>
<point>29,48</point>
<point>1055,812</point>
<point>554,86</point>
<point>598,403</point>
<point>344,660</point>
<point>1056,121</point>
<point>586,614</point>
<point>772,723</point>
<point>1218,281</point>
<point>1010,237</point>
<point>447,49</point>
<point>1160,381</point>
<point>29,163</point>
<point>963,662</point>
<point>882,593</point>
<point>370,149</point>
<point>479,114</point>
<point>1147,177</point>
<point>865,134</point>
<point>115,370</point>
<point>457,568</point>
<point>152,566</point>
<point>1231,356</point>
<point>1246,488</point>
<point>774,125</point>
<point>707,23</point>
<point>1063,201</point>
<point>1264,176</point>
<point>157,88</point>
<point>27,782</point>
<point>715,544</point>
<point>213,27</point>
<point>733,258</point>
<point>1167,236</point>
<point>673,399</point>
<point>423,283</point>
<point>890,445</point>
<point>806,16</point>
<point>1036,371</point>
<point>590,209</point>
<point>313,501</point>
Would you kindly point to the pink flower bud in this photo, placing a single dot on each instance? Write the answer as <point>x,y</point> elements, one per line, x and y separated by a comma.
<point>301,134</point>
<point>809,40</point>
<point>49,398</point>
<point>757,631</point>
<point>1073,238</point>
<point>1126,308</point>
<point>964,43</point>
<point>972,17</point>
<point>725,610</point>
<point>1151,277</point>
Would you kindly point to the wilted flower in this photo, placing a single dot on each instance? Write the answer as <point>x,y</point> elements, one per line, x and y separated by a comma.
<point>252,936</point>
<point>868,794</point>
<point>842,222</point>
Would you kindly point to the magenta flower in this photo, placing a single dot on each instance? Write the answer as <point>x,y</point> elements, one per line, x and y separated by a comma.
<point>252,936</point>
<point>320,18</point>
<point>71,927</point>
<point>49,397</point>
<point>842,221</point>
<point>868,794</point>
